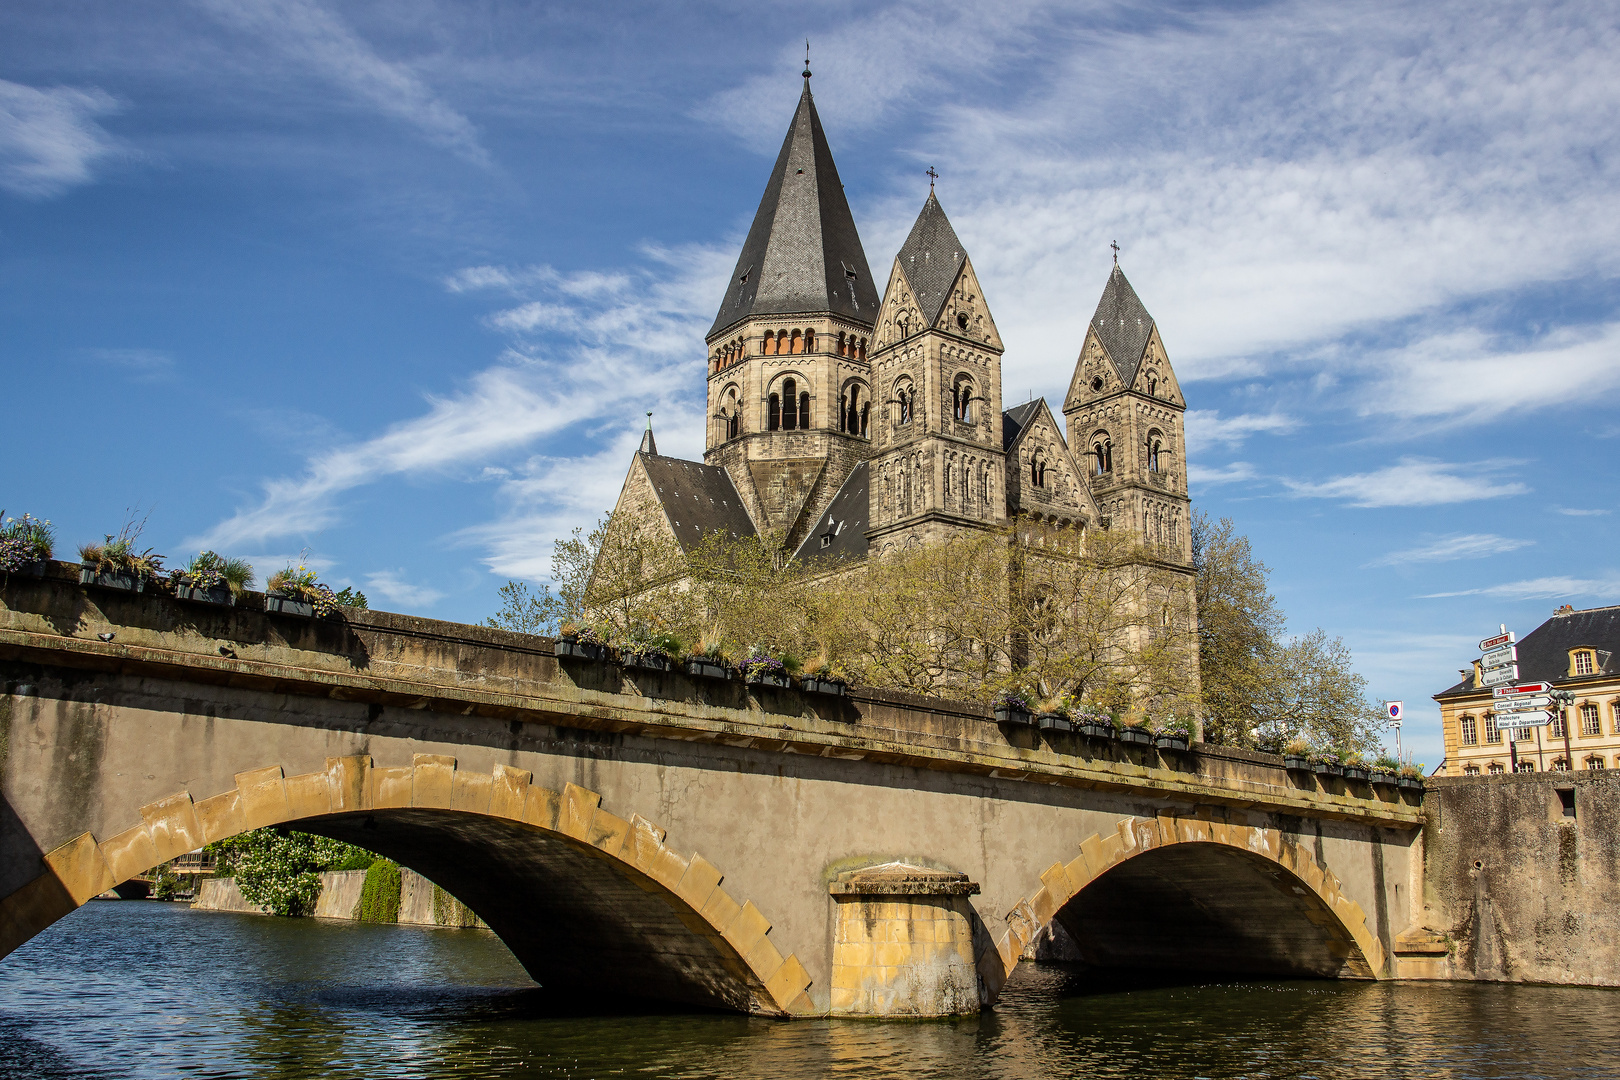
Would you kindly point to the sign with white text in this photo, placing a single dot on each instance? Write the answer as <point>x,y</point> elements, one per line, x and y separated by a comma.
<point>1499,657</point>
<point>1496,642</point>
<point>1496,675</point>
<point>1522,690</point>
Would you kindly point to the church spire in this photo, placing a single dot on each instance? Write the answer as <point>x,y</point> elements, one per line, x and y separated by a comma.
<point>1123,324</point>
<point>931,257</point>
<point>802,254</point>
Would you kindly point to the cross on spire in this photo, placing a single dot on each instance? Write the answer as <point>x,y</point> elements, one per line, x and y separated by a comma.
<point>932,176</point>
<point>1115,246</point>
<point>807,58</point>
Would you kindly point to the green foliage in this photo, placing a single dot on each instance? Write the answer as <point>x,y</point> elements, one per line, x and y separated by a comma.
<point>351,597</point>
<point>25,540</point>
<point>357,859</point>
<point>165,883</point>
<point>120,554</point>
<point>523,613</point>
<point>379,896</point>
<point>210,570</point>
<point>300,583</point>
<point>279,870</point>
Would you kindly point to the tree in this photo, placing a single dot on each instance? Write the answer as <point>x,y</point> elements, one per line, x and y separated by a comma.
<point>278,869</point>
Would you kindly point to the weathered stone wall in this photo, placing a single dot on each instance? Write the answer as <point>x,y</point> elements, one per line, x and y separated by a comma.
<point>1523,876</point>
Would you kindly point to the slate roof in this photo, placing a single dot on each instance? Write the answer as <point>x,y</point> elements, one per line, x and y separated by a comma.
<point>699,499</point>
<point>843,525</point>
<point>802,253</point>
<point>931,257</point>
<point>1544,651</point>
<point>1015,420</point>
<point>1123,325</point>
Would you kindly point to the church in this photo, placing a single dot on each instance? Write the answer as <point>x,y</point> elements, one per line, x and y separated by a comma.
<point>847,424</point>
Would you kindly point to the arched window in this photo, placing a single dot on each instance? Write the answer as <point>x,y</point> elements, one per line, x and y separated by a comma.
<point>904,397</point>
<point>804,410</point>
<point>790,405</point>
<point>1594,763</point>
<point>795,343</point>
<point>1496,768</point>
<point>850,410</point>
<point>809,341</point>
<point>1468,732</point>
<point>1560,764</point>
<point>962,400</point>
<point>860,351</point>
<point>1102,455</point>
<point>841,343</point>
<point>865,412</point>
<point>731,413</point>
<point>1155,443</point>
<point>1470,770</point>
<point>773,414</point>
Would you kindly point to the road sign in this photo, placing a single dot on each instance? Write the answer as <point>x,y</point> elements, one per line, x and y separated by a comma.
<point>1539,701</point>
<point>1523,719</point>
<point>1495,675</point>
<point>1496,642</point>
<point>1499,657</point>
<point>1395,709</point>
<point>1522,690</point>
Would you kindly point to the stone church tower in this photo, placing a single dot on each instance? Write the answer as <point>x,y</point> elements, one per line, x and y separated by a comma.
<point>790,403</point>
<point>937,463</point>
<point>1124,410</point>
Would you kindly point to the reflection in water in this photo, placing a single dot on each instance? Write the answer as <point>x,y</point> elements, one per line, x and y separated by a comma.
<point>148,990</point>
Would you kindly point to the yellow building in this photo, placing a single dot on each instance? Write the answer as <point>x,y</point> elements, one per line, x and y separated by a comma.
<point>1574,651</point>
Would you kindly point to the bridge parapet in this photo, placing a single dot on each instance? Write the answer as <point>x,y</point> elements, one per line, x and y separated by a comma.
<point>443,668</point>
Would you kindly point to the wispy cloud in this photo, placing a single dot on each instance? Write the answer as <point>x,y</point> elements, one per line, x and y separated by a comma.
<point>49,139</point>
<point>1570,511</point>
<point>394,589</point>
<point>1416,482</point>
<point>1204,476</point>
<point>1544,588</point>
<point>308,33</point>
<point>1452,548</point>
<point>1206,428</point>
<point>143,365</point>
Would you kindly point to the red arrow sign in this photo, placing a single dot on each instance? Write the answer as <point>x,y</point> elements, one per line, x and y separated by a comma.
<point>1523,689</point>
<point>1494,642</point>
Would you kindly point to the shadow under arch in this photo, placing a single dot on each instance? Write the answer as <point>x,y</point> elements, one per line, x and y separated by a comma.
<point>585,899</point>
<point>1180,893</point>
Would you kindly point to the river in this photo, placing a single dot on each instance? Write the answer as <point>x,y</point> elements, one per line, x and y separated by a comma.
<point>146,989</point>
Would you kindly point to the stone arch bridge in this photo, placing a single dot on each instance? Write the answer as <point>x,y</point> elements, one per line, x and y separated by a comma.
<point>653,834</point>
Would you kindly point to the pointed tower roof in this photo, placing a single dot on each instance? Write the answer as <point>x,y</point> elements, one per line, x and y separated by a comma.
<point>802,253</point>
<point>931,257</point>
<point>1123,325</point>
<point>648,446</point>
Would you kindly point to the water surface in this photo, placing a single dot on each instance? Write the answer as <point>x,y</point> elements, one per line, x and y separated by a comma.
<point>146,989</point>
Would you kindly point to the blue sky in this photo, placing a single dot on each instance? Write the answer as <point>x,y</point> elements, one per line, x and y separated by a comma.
<point>394,284</point>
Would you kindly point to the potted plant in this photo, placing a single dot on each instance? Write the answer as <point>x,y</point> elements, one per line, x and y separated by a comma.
<point>1135,731</point>
<point>1011,706</point>
<point>1173,734</point>
<point>1385,770</point>
<point>1326,763</point>
<point>579,642</point>
<point>1411,778</point>
<point>115,564</point>
<point>26,545</point>
<point>1296,755</point>
<point>212,579</point>
<point>1052,714</point>
<point>822,677</point>
<point>1091,724</point>
<point>652,652</point>
<point>295,591</point>
<point>710,661</point>
<point>760,668</point>
<point>1355,766</point>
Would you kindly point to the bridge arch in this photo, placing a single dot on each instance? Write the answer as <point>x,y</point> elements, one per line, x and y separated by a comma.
<point>1127,895</point>
<point>578,863</point>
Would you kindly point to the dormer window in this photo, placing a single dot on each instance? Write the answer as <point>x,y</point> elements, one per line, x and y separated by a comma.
<point>1582,662</point>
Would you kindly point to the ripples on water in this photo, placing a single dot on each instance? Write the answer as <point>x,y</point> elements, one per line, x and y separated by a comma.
<point>153,990</point>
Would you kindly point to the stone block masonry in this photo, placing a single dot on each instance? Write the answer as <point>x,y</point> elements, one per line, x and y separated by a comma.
<point>421,902</point>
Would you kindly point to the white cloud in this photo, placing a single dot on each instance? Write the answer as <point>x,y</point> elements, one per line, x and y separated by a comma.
<point>315,37</point>
<point>1203,476</point>
<point>1544,588</point>
<point>1206,428</point>
<point>1452,548</point>
<point>49,139</point>
<point>393,588</point>
<point>1415,482</point>
<point>143,365</point>
<point>1573,512</point>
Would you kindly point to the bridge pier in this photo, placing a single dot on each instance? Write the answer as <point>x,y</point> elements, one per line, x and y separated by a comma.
<point>903,943</point>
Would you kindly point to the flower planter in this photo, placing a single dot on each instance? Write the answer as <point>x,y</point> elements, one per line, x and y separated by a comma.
<point>1409,783</point>
<point>1323,768</point>
<point>1012,714</point>
<point>1136,736</point>
<point>703,668</point>
<point>221,596</point>
<point>1166,740</point>
<point>286,605</point>
<point>1379,777</point>
<point>1048,721</point>
<point>29,569</point>
<point>1355,772</point>
<point>1096,729</point>
<point>816,684</point>
<point>88,575</point>
<point>1295,763</point>
<point>579,650</point>
<point>647,661</point>
<point>771,679</point>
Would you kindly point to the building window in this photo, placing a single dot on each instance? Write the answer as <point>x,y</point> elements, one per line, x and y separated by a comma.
<point>1556,728</point>
<point>1560,765</point>
<point>1525,766</point>
<point>1492,735</point>
<point>1523,734</point>
<point>1594,764</point>
<point>804,410</point>
<point>1583,663</point>
<point>962,401</point>
<point>1102,456</point>
<point>1467,733</point>
<point>773,414</point>
<point>1470,770</point>
<point>790,405</point>
<point>1037,471</point>
<point>1496,767</point>
<point>905,406</point>
<point>1589,720</point>
<point>1155,444</point>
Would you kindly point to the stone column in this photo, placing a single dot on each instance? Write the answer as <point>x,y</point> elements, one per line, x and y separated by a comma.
<point>903,942</point>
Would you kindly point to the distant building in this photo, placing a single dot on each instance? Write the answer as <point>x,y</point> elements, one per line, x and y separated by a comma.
<point>1574,651</point>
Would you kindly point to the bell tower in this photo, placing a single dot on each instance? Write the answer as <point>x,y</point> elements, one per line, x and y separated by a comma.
<point>1124,413</point>
<point>937,459</point>
<point>789,389</point>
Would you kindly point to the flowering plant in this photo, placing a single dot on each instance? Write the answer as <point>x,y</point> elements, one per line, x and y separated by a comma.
<point>301,585</point>
<point>25,540</point>
<point>1175,725</point>
<point>1013,697</point>
<point>1387,764</point>
<point>1414,772</point>
<point>1324,757</point>
<point>758,663</point>
<point>1297,747</point>
<point>208,570</point>
<point>584,634</point>
<point>117,555</point>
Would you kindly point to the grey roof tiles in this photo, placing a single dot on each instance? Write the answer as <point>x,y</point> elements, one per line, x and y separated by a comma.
<point>931,257</point>
<point>841,531</point>
<point>1016,419</point>
<point>699,499</point>
<point>1123,325</point>
<point>802,253</point>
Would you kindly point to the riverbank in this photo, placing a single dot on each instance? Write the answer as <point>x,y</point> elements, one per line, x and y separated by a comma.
<point>421,903</point>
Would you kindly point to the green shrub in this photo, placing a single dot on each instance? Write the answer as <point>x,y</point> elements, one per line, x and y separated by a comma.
<point>379,897</point>
<point>278,869</point>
